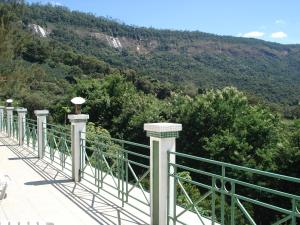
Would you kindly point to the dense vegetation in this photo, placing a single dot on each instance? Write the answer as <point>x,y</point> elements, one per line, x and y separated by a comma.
<point>224,124</point>
<point>198,60</point>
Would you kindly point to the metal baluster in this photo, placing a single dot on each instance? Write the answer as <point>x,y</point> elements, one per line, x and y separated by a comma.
<point>232,209</point>
<point>223,196</point>
<point>213,205</point>
<point>122,172</point>
<point>126,174</point>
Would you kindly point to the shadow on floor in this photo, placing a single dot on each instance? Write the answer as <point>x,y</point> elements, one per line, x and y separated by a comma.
<point>23,158</point>
<point>101,209</point>
<point>8,145</point>
<point>47,182</point>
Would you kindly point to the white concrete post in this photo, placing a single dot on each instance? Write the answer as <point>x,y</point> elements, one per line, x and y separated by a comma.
<point>162,139</point>
<point>21,124</point>
<point>9,115</point>
<point>41,134</point>
<point>1,117</point>
<point>78,129</point>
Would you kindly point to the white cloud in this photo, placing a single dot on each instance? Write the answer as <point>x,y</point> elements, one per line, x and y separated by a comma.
<point>254,34</point>
<point>56,3</point>
<point>280,22</point>
<point>278,35</point>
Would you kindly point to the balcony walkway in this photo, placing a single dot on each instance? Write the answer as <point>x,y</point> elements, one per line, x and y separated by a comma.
<point>39,192</point>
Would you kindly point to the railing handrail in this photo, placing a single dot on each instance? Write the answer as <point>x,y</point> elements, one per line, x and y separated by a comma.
<point>122,149</point>
<point>243,168</point>
<point>56,130</point>
<point>120,141</point>
<point>30,120</point>
<point>58,126</point>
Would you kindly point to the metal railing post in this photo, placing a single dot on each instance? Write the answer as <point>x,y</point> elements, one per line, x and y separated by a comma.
<point>1,118</point>
<point>21,124</point>
<point>78,128</point>
<point>41,134</point>
<point>162,139</point>
<point>9,115</point>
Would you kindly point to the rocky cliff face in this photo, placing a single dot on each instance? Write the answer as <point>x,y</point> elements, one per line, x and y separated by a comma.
<point>38,30</point>
<point>121,42</point>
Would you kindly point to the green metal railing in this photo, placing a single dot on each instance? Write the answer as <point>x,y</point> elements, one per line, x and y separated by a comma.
<point>31,133</point>
<point>9,125</point>
<point>209,191</point>
<point>121,165</point>
<point>15,128</point>
<point>1,122</point>
<point>4,123</point>
<point>58,145</point>
<point>231,194</point>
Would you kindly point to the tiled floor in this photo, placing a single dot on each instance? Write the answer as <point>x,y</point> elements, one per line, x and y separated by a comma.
<point>38,192</point>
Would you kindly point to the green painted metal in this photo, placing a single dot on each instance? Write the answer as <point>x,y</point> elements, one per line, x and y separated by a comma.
<point>168,195</point>
<point>57,142</point>
<point>233,202</point>
<point>155,182</point>
<point>31,133</point>
<point>15,131</point>
<point>9,125</point>
<point>229,187</point>
<point>4,124</point>
<point>213,199</point>
<point>116,164</point>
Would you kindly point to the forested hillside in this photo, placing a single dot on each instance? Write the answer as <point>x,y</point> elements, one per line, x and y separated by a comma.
<point>198,60</point>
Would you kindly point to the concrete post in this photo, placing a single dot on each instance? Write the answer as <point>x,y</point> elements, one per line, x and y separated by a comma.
<point>162,139</point>
<point>78,129</point>
<point>41,134</point>
<point>21,124</point>
<point>9,115</point>
<point>1,117</point>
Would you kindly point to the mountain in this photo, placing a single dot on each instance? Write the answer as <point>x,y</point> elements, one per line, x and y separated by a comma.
<point>201,60</point>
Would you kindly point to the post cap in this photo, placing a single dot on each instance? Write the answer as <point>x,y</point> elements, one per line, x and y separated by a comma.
<point>78,117</point>
<point>2,107</point>
<point>41,112</point>
<point>10,108</point>
<point>163,130</point>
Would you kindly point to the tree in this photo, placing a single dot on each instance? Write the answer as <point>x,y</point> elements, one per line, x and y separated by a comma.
<point>223,126</point>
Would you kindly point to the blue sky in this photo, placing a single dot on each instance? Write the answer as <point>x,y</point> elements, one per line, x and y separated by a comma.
<point>271,20</point>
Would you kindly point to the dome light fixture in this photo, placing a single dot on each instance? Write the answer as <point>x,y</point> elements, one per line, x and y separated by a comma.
<point>9,102</point>
<point>78,101</point>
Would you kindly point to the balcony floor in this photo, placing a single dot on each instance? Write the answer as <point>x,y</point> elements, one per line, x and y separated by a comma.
<point>39,192</point>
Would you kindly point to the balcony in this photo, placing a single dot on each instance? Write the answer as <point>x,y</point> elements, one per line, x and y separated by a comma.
<point>63,175</point>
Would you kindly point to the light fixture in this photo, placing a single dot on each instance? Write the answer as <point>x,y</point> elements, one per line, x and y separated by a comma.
<point>9,102</point>
<point>78,101</point>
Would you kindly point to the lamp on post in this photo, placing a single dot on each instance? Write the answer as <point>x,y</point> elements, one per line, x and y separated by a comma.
<point>9,102</point>
<point>78,129</point>
<point>78,101</point>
